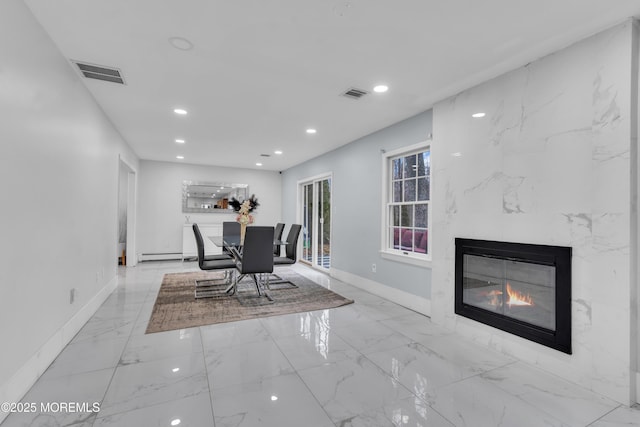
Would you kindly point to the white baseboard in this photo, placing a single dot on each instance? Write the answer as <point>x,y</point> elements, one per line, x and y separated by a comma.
<point>14,389</point>
<point>161,257</point>
<point>405,299</point>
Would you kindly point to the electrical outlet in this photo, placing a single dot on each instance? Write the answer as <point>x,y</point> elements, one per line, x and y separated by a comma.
<point>72,295</point>
<point>373,268</point>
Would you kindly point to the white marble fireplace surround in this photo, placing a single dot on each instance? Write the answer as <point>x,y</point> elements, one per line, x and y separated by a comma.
<point>552,162</point>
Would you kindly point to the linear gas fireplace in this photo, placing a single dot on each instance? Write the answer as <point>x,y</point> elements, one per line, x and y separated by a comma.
<point>520,288</point>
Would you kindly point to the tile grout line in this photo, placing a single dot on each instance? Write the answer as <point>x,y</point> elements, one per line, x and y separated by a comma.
<point>206,373</point>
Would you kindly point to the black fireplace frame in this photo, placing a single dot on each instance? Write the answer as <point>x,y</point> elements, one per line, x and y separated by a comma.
<point>556,256</point>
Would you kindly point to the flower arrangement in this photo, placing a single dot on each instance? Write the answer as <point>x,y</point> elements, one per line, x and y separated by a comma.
<point>244,209</point>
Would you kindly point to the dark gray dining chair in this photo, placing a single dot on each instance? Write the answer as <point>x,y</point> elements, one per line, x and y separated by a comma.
<point>256,258</point>
<point>277,235</point>
<point>198,235</point>
<point>230,233</point>
<point>291,248</point>
<point>209,288</point>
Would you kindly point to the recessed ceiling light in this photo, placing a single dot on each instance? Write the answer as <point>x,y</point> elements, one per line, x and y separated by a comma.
<point>180,141</point>
<point>478,115</point>
<point>181,43</point>
<point>278,152</point>
<point>456,154</point>
<point>258,164</point>
<point>180,157</point>
<point>180,111</point>
<point>311,131</point>
<point>175,422</point>
<point>274,398</point>
<point>381,88</point>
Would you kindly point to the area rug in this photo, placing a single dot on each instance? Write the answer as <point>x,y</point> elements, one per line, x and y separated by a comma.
<point>177,308</point>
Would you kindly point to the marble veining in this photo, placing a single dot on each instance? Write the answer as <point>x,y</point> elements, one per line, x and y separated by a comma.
<point>579,220</point>
<point>350,366</point>
<point>511,202</point>
<point>499,129</point>
<point>148,383</point>
<point>583,306</point>
<point>550,163</point>
<point>579,132</point>
<point>450,203</point>
<point>484,183</point>
<point>607,112</point>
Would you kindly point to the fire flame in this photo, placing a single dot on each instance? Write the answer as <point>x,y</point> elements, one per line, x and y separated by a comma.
<point>495,297</point>
<point>516,298</point>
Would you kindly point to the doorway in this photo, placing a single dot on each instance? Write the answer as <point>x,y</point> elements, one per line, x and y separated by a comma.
<point>315,210</point>
<point>125,243</point>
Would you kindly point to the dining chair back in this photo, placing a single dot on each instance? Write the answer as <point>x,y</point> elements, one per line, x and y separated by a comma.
<point>256,258</point>
<point>200,246</point>
<point>291,248</point>
<point>230,229</point>
<point>257,251</point>
<point>204,287</point>
<point>277,235</point>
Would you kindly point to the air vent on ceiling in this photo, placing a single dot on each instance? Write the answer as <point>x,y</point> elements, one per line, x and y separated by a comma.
<point>354,93</point>
<point>99,72</point>
<point>265,155</point>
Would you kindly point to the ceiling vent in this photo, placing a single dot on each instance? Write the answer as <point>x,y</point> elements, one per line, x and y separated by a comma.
<point>354,93</point>
<point>265,155</point>
<point>99,72</point>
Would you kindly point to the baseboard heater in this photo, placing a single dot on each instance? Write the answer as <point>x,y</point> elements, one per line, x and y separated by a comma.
<point>164,256</point>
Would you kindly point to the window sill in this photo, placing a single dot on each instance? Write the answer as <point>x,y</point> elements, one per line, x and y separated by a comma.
<point>419,261</point>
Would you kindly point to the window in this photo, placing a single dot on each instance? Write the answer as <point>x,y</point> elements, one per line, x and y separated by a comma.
<point>407,174</point>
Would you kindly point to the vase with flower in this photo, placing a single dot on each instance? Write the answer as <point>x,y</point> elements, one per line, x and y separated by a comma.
<point>244,210</point>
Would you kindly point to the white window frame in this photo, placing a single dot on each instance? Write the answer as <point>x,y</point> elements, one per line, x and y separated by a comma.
<point>386,249</point>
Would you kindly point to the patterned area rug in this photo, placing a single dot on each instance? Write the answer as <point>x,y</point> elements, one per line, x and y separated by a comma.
<point>177,308</point>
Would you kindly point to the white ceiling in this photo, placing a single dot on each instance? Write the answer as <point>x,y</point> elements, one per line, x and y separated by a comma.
<point>261,72</point>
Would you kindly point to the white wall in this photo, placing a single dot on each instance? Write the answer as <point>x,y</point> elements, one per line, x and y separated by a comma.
<point>549,164</point>
<point>59,180</point>
<point>356,212</point>
<point>635,193</point>
<point>160,216</point>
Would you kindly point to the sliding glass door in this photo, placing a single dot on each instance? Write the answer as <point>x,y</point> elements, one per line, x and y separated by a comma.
<point>316,221</point>
<point>307,222</point>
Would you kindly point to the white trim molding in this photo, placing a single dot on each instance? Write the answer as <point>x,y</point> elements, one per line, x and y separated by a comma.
<point>413,302</point>
<point>422,260</point>
<point>14,389</point>
<point>300,184</point>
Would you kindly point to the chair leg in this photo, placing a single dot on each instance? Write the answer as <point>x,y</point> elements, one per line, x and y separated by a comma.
<point>274,279</point>
<point>209,288</point>
<point>255,280</point>
<point>209,282</point>
<point>260,287</point>
<point>233,287</point>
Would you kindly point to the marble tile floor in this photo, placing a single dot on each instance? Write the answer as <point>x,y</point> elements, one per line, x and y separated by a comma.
<point>372,363</point>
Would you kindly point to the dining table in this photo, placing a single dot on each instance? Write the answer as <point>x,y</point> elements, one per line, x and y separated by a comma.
<point>233,243</point>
